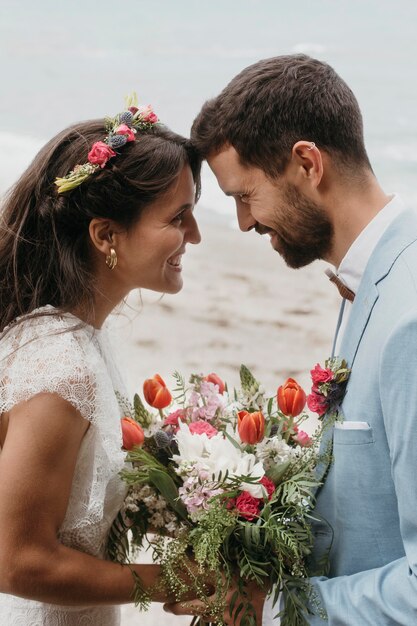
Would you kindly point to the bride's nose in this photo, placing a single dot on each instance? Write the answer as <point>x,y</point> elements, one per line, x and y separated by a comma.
<point>192,233</point>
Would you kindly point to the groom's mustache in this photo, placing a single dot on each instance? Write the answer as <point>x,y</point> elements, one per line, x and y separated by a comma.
<point>262,230</point>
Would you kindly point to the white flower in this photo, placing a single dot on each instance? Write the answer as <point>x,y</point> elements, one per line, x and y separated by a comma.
<point>171,527</point>
<point>157,520</point>
<point>154,425</point>
<point>217,456</point>
<point>274,451</point>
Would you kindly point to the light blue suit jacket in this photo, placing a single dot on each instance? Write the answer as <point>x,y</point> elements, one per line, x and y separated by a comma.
<point>370,495</point>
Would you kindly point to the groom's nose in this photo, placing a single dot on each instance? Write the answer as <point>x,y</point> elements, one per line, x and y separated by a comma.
<point>244,216</point>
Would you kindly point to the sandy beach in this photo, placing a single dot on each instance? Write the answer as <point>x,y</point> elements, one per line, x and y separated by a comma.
<point>240,304</point>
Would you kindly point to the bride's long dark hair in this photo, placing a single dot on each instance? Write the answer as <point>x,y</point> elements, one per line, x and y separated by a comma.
<point>45,254</point>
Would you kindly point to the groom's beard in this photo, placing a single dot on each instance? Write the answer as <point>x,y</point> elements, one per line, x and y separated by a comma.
<point>303,232</point>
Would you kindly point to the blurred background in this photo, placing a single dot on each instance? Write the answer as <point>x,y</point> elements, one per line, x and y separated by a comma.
<point>66,61</point>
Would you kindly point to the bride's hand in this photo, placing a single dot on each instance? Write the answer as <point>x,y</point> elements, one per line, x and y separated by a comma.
<point>255,596</point>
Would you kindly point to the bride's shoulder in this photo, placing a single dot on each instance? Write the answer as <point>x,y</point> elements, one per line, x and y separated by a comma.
<point>46,331</point>
<point>50,352</point>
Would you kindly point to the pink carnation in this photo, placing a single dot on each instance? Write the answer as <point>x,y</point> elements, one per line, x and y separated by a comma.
<point>317,403</point>
<point>173,418</point>
<point>320,375</point>
<point>269,486</point>
<point>202,428</point>
<point>303,439</point>
<point>123,129</point>
<point>216,380</point>
<point>247,505</point>
<point>148,115</point>
<point>100,153</point>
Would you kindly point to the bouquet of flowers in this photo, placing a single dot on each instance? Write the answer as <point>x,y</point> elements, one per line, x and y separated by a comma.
<point>221,487</point>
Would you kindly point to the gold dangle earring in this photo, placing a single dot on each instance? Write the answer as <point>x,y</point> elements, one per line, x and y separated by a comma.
<point>111,259</point>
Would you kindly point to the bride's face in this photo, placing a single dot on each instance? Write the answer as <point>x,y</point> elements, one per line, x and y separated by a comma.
<point>150,254</point>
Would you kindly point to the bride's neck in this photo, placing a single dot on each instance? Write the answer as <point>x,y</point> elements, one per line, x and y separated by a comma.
<point>102,307</point>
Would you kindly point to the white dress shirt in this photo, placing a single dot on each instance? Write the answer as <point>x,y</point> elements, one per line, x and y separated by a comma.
<point>353,264</point>
<point>350,271</point>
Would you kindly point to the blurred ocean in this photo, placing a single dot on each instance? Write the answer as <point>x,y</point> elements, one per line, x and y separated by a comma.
<point>65,61</point>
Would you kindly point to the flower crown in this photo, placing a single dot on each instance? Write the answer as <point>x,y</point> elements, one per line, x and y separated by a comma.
<point>120,130</point>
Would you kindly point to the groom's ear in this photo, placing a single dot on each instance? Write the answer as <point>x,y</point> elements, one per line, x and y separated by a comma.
<point>306,165</point>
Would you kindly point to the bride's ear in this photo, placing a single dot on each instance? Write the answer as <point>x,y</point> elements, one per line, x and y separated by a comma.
<point>102,234</point>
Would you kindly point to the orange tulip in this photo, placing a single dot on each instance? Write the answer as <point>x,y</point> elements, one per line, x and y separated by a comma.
<point>216,380</point>
<point>156,392</point>
<point>291,398</point>
<point>132,433</point>
<point>251,426</point>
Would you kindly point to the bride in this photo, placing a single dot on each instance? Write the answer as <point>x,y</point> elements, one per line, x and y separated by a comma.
<point>105,207</point>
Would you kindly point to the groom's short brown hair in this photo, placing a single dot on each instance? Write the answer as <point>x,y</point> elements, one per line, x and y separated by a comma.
<point>276,102</point>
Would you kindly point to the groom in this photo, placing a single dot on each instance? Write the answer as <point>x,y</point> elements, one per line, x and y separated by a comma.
<point>285,140</point>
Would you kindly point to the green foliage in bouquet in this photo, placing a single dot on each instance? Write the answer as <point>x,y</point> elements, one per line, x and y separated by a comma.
<point>222,490</point>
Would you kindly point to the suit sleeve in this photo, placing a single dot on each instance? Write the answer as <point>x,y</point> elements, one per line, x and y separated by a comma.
<point>387,596</point>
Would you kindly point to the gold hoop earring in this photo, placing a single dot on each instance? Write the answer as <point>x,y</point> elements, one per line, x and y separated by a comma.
<point>111,259</point>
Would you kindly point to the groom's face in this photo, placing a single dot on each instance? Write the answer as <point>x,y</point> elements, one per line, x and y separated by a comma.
<point>299,228</point>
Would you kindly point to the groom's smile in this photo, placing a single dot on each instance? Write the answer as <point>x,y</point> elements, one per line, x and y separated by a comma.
<point>300,229</point>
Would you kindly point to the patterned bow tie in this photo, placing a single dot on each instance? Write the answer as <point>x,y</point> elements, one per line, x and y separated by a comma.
<point>344,291</point>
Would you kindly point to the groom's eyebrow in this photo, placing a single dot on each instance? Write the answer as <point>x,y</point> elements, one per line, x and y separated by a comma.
<point>234,193</point>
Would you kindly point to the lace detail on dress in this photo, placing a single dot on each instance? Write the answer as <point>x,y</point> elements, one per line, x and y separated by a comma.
<point>17,612</point>
<point>53,354</point>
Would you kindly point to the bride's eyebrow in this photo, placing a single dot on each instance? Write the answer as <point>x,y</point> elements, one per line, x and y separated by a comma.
<point>183,207</point>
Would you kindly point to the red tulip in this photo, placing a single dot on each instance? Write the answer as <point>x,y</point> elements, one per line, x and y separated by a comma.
<point>291,398</point>
<point>216,380</point>
<point>132,432</point>
<point>251,426</point>
<point>156,392</point>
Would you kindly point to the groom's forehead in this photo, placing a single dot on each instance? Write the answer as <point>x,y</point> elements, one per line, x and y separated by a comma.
<point>227,166</point>
<point>232,175</point>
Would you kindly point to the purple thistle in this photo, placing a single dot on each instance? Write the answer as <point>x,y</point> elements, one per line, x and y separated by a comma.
<point>117,141</point>
<point>126,118</point>
<point>162,439</point>
<point>336,393</point>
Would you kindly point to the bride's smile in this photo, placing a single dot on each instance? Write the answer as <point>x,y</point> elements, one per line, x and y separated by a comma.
<point>149,255</point>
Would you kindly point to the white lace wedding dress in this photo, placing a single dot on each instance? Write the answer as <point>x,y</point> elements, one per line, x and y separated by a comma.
<point>48,354</point>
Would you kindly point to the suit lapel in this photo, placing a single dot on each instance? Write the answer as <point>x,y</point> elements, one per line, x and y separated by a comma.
<point>398,236</point>
<point>361,311</point>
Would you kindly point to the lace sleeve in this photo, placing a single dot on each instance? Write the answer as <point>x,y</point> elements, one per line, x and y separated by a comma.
<point>57,362</point>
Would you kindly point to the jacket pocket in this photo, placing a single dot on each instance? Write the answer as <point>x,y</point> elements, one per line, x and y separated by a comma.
<point>353,436</point>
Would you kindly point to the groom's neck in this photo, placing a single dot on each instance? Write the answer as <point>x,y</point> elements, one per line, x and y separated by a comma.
<point>351,207</point>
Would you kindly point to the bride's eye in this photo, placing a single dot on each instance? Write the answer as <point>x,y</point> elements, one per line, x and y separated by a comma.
<point>179,218</point>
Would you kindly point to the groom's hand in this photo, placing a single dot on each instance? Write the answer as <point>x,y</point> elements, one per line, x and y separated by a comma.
<point>255,597</point>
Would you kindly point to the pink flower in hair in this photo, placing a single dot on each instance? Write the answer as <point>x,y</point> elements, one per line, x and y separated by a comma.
<point>100,153</point>
<point>148,115</point>
<point>123,129</point>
